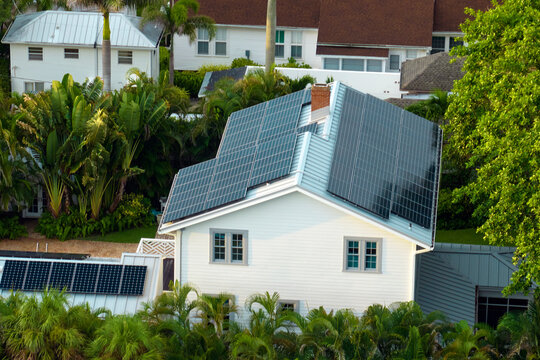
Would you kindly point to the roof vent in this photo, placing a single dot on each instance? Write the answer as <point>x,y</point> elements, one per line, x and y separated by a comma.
<point>320,102</point>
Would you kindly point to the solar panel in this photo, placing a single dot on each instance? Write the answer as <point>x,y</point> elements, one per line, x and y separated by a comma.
<point>273,159</point>
<point>133,280</point>
<point>230,178</point>
<point>13,274</point>
<point>85,278</point>
<point>189,190</point>
<point>37,275</point>
<point>61,275</point>
<point>243,128</point>
<point>417,170</point>
<point>109,279</point>
<point>385,159</point>
<point>281,116</point>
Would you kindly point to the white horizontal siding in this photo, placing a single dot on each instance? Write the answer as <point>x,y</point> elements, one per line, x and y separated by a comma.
<point>295,247</point>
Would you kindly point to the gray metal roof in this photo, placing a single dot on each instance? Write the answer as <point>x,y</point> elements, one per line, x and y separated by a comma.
<point>81,28</point>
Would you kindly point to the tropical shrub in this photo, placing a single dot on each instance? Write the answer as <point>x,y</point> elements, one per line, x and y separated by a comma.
<point>292,63</point>
<point>190,81</point>
<point>10,228</point>
<point>241,62</point>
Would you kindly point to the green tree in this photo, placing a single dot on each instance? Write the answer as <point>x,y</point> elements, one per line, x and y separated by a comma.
<point>494,125</point>
<point>180,19</point>
<point>215,311</point>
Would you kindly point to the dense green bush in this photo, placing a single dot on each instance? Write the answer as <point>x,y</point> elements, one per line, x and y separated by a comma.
<point>240,62</point>
<point>301,83</point>
<point>133,211</point>
<point>292,63</point>
<point>190,81</point>
<point>5,79</point>
<point>163,58</point>
<point>10,228</point>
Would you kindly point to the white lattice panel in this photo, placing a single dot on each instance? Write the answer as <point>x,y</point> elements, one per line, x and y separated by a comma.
<point>156,247</point>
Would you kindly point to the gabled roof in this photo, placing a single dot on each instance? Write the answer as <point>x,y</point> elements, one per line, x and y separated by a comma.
<point>276,143</point>
<point>82,29</point>
<point>430,73</point>
<point>449,14</point>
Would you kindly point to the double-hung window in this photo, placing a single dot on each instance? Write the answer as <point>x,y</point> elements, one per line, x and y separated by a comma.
<point>35,53</point>
<point>437,44</point>
<point>280,43</point>
<point>394,63</point>
<point>296,44</point>
<point>203,42</point>
<point>362,254</point>
<point>221,41</point>
<point>228,246</point>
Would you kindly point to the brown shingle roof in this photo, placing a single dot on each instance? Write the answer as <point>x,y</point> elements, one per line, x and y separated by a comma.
<point>350,51</point>
<point>450,13</point>
<point>402,103</point>
<point>430,73</point>
<point>295,13</point>
<point>376,22</point>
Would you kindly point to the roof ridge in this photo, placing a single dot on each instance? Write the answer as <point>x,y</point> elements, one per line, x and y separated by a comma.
<point>125,17</point>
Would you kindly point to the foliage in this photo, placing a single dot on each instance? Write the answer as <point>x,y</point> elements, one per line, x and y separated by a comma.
<point>292,63</point>
<point>190,81</point>
<point>5,79</point>
<point>10,228</point>
<point>163,58</point>
<point>494,126</point>
<point>133,212</point>
<point>241,62</point>
<point>301,83</point>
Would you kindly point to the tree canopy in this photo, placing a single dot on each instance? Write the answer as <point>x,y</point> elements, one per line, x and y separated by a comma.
<point>494,126</point>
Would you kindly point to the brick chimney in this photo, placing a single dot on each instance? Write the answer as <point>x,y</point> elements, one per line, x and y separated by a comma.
<point>320,101</point>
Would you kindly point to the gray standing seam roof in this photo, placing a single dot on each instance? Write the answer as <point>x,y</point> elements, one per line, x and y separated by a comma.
<point>81,28</point>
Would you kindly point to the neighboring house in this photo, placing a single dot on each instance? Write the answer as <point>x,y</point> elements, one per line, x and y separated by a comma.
<point>465,282</point>
<point>46,45</point>
<point>119,285</point>
<point>325,196</point>
<point>366,35</point>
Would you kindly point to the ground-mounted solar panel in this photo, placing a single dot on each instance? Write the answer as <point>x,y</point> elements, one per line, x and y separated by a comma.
<point>273,159</point>
<point>189,190</point>
<point>133,280</point>
<point>13,274</point>
<point>61,275</point>
<point>231,177</point>
<point>417,170</point>
<point>312,128</point>
<point>85,278</point>
<point>37,275</point>
<point>109,279</point>
<point>243,128</point>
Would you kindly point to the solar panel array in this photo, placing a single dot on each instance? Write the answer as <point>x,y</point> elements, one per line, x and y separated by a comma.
<point>74,277</point>
<point>386,160</point>
<point>257,147</point>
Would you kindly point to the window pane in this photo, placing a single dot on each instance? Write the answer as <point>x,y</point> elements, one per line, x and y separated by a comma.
<point>353,64</point>
<point>296,51</point>
<point>280,36</point>
<point>39,86</point>
<point>221,34</point>
<point>221,48</point>
<point>437,44</point>
<point>219,246</point>
<point>202,47</point>
<point>374,65</point>
<point>125,57</point>
<point>237,247</point>
<point>287,306</point>
<point>280,51</point>
<point>371,255</point>
<point>394,62</point>
<point>331,64</point>
<point>352,254</point>
<point>296,37</point>
<point>411,54</point>
<point>454,42</point>
<point>202,34</point>
<point>28,87</point>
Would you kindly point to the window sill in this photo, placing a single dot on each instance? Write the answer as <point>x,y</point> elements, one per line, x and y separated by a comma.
<point>362,271</point>
<point>227,263</point>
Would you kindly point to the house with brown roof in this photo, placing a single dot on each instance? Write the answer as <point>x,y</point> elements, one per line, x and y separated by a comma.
<point>354,35</point>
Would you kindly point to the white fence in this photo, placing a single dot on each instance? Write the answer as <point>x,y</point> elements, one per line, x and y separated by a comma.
<point>156,247</point>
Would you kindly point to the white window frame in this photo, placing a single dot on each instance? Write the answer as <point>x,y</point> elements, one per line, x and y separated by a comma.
<point>229,234</point>
<point>203,39</point>
<point>362,254</point>
<point>280,44</point>
<point>71,53</point>
<point>35,53</point>
<point>218,40</point>
<point>297,43</point>
<point>34,85</point>
<point>390,63</point>
<point>125,57</point>
<point>364,59</point>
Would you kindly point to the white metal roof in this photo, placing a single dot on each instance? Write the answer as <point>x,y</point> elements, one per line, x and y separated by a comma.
<point>81,28</point>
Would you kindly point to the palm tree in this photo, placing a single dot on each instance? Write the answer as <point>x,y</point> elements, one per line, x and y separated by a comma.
<point>524,329</point>
<point>270,35</point>
<point>180,18</point>
<point>215,311</point>
<point>463,343</point>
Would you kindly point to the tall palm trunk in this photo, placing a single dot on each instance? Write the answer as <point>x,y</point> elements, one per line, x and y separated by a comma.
<point>171,61</point>
<point>270,35</point>
<point>106,52</point>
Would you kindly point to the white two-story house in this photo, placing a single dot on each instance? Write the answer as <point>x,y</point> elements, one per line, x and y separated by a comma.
<point>324,196</point>
<point>46,45</point>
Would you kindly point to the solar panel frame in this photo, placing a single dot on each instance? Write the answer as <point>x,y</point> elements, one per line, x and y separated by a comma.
<point>37,275</point>
<point>14,274</point>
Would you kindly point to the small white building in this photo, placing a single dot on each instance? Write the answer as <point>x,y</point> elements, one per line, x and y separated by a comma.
<point>46,45</point>
<point>324,196</point>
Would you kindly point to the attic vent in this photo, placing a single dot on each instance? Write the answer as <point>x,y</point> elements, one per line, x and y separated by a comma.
<point>320,102</point>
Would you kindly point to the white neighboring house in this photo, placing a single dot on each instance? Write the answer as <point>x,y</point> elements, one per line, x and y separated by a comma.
<point>285,206</point>
<point>46,45</point>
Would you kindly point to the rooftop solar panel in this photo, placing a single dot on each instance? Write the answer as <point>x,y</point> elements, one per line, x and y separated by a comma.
<point>273,159</point>
<point>37,275</point>
<point>133,280</point>
<point>62,275</point>
<point>109,279</point>
<point>13,274</point>
<point>85,278</point>
<point>243,128</point>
